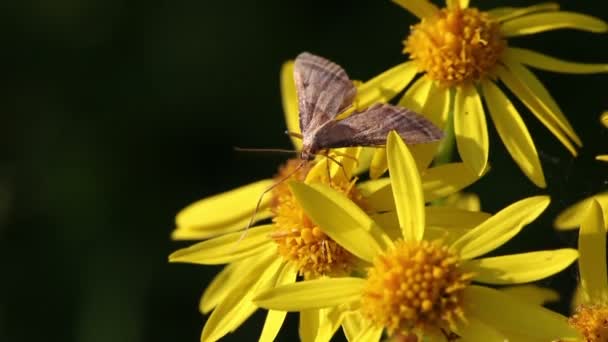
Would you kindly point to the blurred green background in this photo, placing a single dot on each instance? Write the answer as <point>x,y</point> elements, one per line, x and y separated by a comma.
<point>116,114</point>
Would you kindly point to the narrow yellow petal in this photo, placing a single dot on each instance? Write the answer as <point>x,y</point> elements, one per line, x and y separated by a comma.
<point>379,164</point>
<point>448,217</point>
<point>544,62</point>
<point>378,194</point>
<point>352,324</point>
<point>471,129</point>
<point>513,132</point>
<point>507,13</point>
<point>309,325</point>
<point>463,200</point>
<point>543,97</point>
<point>572,216</point>
<point>365,159</point>
<point>520,268</point>
<point>532,294</point>
<point>538,108</point>
<point>419,8</point>
<point>428,99</point>
<point>604,119</point>
<point>341,219</point>
<point>347,159</point>
<point>407,189</point>
<point>446,179</point>
<point>289,98</point>
<point>225,208</point>
<point>206,232</point>
<point>424,154</point>
<point>220,286</point>
<point>238,305</point>
<point>507,313</point>
<point>274,318</point>
<point>369,333</point>
<point>385,86</point>
<point>602,157</point>
<point>227,248</point>
<point>592,248</point>
<point>474,330</point>
<point>547,21</point>
<point>330,320</point>
<point>312,294</point>
<point>501,227</point>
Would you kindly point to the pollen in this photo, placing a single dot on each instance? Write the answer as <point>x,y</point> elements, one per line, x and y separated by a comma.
<point>455,45</point>
<point>592,322</point>
<point>415,287</point>
<point>302,242</point>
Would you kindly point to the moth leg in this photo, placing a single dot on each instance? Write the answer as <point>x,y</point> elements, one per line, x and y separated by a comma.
<point>346,155</point>
<point>328,173</point>
<point>326,155</point>
<point>294,134</point>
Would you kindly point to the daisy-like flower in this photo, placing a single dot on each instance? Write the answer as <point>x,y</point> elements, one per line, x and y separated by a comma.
<point>604,121</point>
<point>462,49</point>
<point>415,286</point>
<point>590,316</point>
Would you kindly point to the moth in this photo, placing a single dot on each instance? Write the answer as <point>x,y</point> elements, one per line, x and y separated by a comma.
<point>325,91</point>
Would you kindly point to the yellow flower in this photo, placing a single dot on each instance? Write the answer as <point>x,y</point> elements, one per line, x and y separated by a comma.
<point>463,50</point>
<point>604,121</point>
<point>423,287</point>
<point>571,217</point>
<point>590,315</point>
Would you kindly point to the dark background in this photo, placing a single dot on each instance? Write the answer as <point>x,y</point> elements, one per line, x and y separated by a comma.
<point>116,114</point>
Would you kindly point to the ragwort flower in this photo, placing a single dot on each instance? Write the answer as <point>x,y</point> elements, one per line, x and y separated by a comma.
<point>462,49</point>
<point>415,286</point>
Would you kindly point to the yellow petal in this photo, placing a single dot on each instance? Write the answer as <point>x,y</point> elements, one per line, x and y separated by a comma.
<point>369,333</point>
<point>339,165</point>
<point>603,157</point>
<point>227,248</point>
<point>428,99</point>
<point>213,231</point>
<point>309,325</point>
<point>540,22</point>
<point>604,119</point>
<point>507,313</point>
<point>237,305</point>
<point>365,159</point>
<point>330,320</point>
<point>463,200</point>
<point>508,13</point>
<point>446,179</point>
<point>470,128</point>
<point>513,132</point>
<point>447,217</point>
<point>532,294</point>
<point>289,98</point>
<point>520,268</point>
<point>544,62</point>
<point>224,209</point>
<point>419,8</point>
<point>501,227</point>
<point>312,294</point>
<point>352,324</point>
<point>572,216</point>
<point>274,318</point>
<point>385,86</point>
<point>407,189</point>
<point>340,218</point>
<point>379,164</point>
<point>220,286</point>
<point>592,248</point>
<point>475,330</point>
<point>378,194</point>
<point>543,96</point>
<point>535,105</point>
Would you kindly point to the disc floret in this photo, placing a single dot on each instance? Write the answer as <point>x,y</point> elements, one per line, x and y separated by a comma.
<point>591,321</point>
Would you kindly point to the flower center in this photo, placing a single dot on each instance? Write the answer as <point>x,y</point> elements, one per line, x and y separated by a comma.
<point>592,322</point>
<point>301,241</point>
<point>414,287</point>
<point>455,45</point>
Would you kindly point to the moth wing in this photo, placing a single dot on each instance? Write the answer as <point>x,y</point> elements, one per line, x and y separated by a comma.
<point>370,128</point>
<point>324,90</point>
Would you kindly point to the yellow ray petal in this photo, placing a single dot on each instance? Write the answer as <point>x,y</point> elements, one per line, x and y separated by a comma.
<point>602,157</point>
<point>352,324</point>
<point>543,96</point>
<point>507,313</point>
<point>572,216</point>
<point>341,219</point>
<point>532,294</point>
<point>592,248</point>
<point>501,227</point>
<point>407,189</point>
<point>379,164</point>
<point>227,248</point>
<point>540,22</point>
<point>507,13</point>
<point>419,8</point>
<point>189,233</point>
<point>274,318</point>
<point>475,330</point>
<point>238,305</point>
<point>471,129</point>
<point>369,333</point>
<point>544,62</point>
<point>446,179</point>
<point>426,98</point>
<point>463,200</point>
<point>309,325</point>
<point>378,194</point>
<point>289,98</point>
<point>225,208</point>
<point>537,107</point>
<point>604,119</point>
<point>340,168</point>
<point>221,285</point>
<point>313,294</point>
<point>385,86</point>
<point>365,159</point>
<point>513,132</point>
<point>447,217</point>
<point>330,320</point>
<point>520,268</point>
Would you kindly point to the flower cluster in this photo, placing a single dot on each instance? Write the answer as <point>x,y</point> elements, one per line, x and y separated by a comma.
<point>407,255</point>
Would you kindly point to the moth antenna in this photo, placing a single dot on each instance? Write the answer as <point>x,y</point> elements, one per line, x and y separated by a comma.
<point>277,150</point>
<point>294,134</point>
<point>259,203</point>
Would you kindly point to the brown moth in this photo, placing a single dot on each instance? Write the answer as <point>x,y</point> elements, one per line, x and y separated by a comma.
<point>325,91</point>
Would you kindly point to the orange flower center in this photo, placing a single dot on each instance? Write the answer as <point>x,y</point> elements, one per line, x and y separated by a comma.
<point>414,287</point>
<point>455,45</point>
<point>592,322</point>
